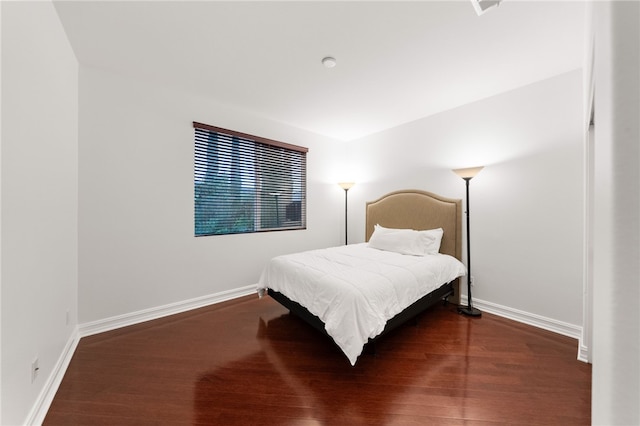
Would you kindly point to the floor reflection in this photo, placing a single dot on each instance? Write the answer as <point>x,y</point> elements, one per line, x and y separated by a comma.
<point>246,362</point>
<point>300,374</point>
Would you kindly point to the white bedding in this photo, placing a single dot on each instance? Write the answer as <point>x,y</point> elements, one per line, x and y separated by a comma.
<point>356,289</point>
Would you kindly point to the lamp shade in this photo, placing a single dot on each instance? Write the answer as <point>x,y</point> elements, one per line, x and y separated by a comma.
<point>346,185</point>
<point>469,172</point>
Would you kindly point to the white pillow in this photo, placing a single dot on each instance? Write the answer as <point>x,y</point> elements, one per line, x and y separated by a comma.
<point>406,241</point>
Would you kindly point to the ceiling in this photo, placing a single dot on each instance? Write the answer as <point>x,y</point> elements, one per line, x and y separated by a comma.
<point>396,61</point>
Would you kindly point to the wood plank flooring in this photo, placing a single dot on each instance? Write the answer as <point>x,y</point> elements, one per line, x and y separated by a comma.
<point>249,362</point>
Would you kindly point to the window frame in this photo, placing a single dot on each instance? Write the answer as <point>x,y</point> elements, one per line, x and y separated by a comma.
<point>262,148</point>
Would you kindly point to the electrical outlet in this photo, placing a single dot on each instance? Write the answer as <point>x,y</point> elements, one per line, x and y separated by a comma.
<point>473,280</point>
<point>34,369</point>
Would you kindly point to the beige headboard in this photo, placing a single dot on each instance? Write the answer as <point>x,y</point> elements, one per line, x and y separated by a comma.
<point>419,210</point>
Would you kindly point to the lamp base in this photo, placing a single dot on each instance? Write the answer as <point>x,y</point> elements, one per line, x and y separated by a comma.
<point>469,311</point>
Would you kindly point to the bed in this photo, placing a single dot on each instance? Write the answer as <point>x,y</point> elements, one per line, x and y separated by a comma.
<point>357,293</point>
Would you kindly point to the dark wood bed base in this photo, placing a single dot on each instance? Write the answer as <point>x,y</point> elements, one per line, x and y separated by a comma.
<point>440,294</point>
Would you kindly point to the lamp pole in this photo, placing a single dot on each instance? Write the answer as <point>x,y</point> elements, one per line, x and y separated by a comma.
<point>346,203</point>
<point>346,186</point>
<point>469,309</point>
<point>467,175</point>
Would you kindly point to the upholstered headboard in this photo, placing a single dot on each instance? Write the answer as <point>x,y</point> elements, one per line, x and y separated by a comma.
<point>419,210</point>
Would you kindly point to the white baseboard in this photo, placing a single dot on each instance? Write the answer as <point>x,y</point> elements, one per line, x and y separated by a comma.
<point>45,398</point>
<point>560,327</point>
<point>108,324</point>
<point>583,353</point>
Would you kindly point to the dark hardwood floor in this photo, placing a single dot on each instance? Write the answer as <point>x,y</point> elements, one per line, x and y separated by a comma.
<point>248,362</point>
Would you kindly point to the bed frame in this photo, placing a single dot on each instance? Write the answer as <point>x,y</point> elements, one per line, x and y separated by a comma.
<point>412,209</point>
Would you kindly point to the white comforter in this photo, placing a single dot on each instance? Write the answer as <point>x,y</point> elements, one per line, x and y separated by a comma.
<point>356,289</point>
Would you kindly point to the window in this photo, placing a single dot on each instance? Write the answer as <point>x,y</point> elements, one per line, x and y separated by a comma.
<point>245,183</point>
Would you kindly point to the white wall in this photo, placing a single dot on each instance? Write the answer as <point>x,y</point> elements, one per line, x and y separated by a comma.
<point>526,205</point>
<point>136,156</point>
<point>616,219</point>
<point>39,200</point>
<point>137,249</point>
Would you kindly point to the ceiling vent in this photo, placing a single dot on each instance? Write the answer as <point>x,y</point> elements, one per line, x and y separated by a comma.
<point>481,6</point>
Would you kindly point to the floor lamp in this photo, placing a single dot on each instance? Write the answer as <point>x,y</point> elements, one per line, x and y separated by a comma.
<point>467,175</point>
<point>346,186</point>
